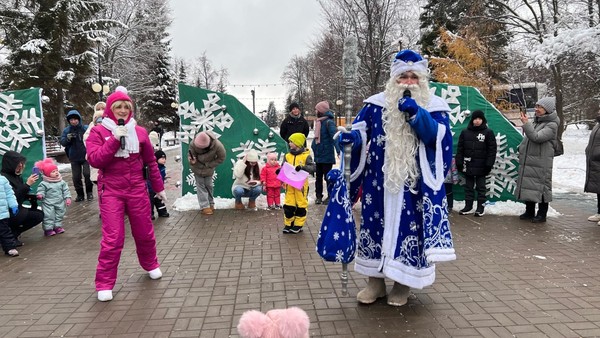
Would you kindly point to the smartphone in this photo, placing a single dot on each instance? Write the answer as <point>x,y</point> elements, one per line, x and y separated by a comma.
<point>35,171</point>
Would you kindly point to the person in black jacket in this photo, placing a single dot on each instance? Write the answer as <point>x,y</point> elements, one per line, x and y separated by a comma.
<point>72,140</point>
<point>475,158</point>
<point>13,165</point>
<point>293,123</point>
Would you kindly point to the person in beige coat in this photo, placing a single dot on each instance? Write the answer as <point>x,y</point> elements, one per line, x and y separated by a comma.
<point>96,120</point>
<point>204,155</point>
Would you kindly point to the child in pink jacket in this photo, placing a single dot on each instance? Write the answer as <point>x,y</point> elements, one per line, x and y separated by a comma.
<point>124,156</point>
<point>271,185</point>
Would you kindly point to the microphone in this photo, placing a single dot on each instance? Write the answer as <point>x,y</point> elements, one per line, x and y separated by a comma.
<point>407,93</point>
<point>121,122</point>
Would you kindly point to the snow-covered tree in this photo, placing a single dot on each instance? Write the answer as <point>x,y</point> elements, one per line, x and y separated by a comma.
<point>271,119</point>
<point>49,44</point>
<point>156,105</point>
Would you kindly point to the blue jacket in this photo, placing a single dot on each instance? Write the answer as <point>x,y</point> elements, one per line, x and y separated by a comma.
<point>324,152</point>
<point>7,198</point>
<point>74,148</point>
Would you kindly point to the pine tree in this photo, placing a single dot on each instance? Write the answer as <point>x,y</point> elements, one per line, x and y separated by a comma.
<point>156,104</point>
<point>49,44</point>
<point>271,120</point>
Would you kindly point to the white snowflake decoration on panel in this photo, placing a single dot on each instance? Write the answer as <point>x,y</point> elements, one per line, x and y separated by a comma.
<point>17,130</point>
<point>211,117</point>
<point>504,174</point>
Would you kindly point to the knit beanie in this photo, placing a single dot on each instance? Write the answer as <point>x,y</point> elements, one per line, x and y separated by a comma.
<point>112,98</point>
<point>160,154</point>
<point>252,156</point>
<point>478,114</point>
<point>322,107</point>
<point>548,103</point>
<point>294,105</point>
<point>298,139</point>
<point>47,166</point>
<point>272,156</point>
<point>202,140</point>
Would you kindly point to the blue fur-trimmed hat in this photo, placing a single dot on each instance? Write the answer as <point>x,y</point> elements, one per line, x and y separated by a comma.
<point>408,60</point>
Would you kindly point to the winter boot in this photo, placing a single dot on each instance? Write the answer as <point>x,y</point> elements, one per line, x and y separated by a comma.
<point>105,295</point>
<point>399,295</point>
<point>541,214</point>
<point>480,209</point>
<point>594,218</point>
<point>207,211</point>
<point>239,206</point>
<point>251,204</point>
<point>529,211</point>
<point>375,289</point>
<point>468,209</point>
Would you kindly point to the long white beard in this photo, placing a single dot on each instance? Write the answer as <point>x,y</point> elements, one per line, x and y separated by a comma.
<point>401,143</point>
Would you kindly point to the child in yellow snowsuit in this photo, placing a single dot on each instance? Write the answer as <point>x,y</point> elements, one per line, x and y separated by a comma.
<point>296,200</point>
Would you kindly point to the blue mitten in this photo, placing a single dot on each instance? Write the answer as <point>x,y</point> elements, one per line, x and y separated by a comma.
<point>15,210</point>
<point>349,137</point>
<point>408,105</point>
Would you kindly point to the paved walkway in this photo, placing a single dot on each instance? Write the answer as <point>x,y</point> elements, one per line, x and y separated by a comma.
<point>512,278</point>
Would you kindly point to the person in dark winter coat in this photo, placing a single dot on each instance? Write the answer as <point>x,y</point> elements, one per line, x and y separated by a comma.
<point>155,202</point>
<point>72,140</point>
<point>293,123</point>
<point>536,157</point>
<point>13,165</point>
<point>324,147</point>
<point>592,165</point>
<point>475,158</point>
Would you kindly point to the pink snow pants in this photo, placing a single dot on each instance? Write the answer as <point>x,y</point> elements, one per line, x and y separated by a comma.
<point>113,209</point>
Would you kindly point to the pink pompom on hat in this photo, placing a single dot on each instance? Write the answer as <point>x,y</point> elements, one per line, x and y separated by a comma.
<point>322,107</point>
<point>278,323</point>
<point>202,140</point>
<point>46,166</point>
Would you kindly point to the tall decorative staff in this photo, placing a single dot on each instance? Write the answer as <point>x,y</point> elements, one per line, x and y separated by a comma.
<point>337,238</point>
<point>350,67</point>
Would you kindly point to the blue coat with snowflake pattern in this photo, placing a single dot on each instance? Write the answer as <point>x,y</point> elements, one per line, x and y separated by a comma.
<point>403,234</point>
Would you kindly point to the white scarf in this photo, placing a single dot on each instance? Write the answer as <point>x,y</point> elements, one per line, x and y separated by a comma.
<point>132,143</point>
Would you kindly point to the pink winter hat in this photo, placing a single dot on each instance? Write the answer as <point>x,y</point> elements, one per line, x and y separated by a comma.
<point>322,107</point>
<point>202,140</point>
<point>47,166</point>
<point>112,98</point>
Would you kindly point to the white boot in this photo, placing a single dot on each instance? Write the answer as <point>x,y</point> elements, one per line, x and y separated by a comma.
<point>155,274</point>
<point>399,295</point>
<point>375,289</point>
<point>105,295</point>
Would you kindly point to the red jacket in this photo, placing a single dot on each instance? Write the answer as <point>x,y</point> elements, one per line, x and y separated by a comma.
<point>269,177</point>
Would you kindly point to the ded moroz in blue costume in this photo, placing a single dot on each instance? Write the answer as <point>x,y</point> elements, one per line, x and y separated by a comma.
<point>404,226</point>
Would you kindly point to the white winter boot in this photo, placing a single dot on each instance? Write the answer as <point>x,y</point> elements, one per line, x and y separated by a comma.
<point>105,295</point>
<point>155,274</point>
<point>399,295</point>
<point>375,289</point>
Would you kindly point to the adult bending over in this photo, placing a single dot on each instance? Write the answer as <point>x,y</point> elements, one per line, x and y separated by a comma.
<point>122,190</point>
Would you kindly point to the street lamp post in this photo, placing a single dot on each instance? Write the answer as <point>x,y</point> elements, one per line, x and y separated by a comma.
<point>253,104</point>
<point>99,87</point>
<point>339,104</point>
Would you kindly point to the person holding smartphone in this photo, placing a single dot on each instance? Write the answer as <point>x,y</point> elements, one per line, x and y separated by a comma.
<point>247,177</point>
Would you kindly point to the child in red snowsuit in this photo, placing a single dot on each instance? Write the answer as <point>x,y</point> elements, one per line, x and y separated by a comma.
<point>271,185</point>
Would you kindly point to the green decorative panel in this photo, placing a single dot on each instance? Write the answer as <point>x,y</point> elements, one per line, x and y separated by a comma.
<point>463,100</point>
<point>235,126</point>
<point>22,125</point>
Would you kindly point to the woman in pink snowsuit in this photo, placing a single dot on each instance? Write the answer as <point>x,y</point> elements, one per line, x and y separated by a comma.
<point>121,152</point>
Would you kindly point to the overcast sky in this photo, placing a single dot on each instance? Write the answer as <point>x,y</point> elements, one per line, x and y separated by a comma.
<point>253,39</point>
